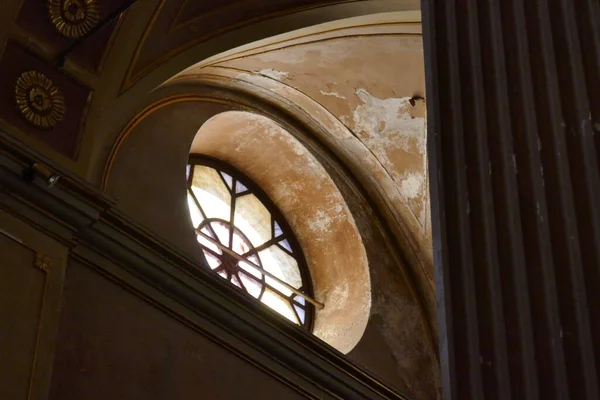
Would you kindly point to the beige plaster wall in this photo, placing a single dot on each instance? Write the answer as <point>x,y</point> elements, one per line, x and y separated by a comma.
<point>316,211</point>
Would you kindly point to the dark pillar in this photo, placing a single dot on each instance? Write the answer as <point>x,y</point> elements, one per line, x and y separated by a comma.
<point>514,133</point>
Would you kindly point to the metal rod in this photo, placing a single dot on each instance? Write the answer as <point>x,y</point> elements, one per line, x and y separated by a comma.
<point>261,270</point>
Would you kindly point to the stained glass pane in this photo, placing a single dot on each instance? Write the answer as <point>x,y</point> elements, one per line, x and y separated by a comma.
<point>286,245</point>
<point>253,218</point>
<point>239,187</point>
<point>278,286</point>
<point>251,284</point>
<point>280,305</point>
<point>300,300</point>
<point>239,245</point>
<point>211,192</point>
<point>235,281</point>
<point>222,232</point>
<point>222,274</point>
<point>213,262</point>
<point>195,213</point>
<point>206,242</point>
<point>277,231</point>
<point>250,270</point>
<point>254,223</point>
<point>228,179</point>
<point>282,265</point>
<point>301,313</point>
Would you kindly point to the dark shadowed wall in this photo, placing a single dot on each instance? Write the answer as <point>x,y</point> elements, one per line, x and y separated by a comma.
<point>113,344</point>
<point>514,124</point>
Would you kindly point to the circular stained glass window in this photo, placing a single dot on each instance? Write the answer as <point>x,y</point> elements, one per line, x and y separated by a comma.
<point>246,240</point>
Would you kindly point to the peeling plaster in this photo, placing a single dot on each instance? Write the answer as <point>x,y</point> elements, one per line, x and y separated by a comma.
<point>412,186</point>
<point>386,126</point>
<point>343,77</point>
<point>391,128</point>
<point>273,73</point>
<point>334,94</point>
<point>384,117</point>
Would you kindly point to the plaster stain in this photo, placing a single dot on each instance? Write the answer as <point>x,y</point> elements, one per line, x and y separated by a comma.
<point>324,219</point>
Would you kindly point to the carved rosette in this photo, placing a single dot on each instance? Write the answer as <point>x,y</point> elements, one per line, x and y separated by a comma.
<point>40,101</point>
<point>73,18</point>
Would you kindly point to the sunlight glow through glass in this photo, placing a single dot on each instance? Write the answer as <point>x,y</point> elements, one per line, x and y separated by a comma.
<point>252,220</point>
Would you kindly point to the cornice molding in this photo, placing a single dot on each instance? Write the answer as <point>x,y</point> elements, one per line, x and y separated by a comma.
<point>86,219</point>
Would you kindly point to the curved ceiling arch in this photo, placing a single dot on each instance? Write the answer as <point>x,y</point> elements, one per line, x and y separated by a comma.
<point>173,45</point>
<point>292,107</point>
<point>184,105</point>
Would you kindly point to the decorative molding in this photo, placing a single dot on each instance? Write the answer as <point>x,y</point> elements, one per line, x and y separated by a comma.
<point>84,256</point>
<point>306,39</point>
<point>42,262</point>
<point>39,100</point>
<point>173,279</point>
<point>73,18</point>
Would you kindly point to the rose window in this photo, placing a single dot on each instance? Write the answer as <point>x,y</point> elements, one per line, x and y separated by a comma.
<point>246,240</point>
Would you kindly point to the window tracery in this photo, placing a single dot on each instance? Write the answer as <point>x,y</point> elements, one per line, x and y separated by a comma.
<point>246,240</point>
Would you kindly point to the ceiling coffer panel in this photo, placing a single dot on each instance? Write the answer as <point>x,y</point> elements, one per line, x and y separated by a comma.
<point>59,23</point>
<point>41,101</point>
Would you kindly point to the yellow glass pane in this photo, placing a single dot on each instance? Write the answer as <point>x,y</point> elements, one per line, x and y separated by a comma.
<point>211,192</point>
<point>253,218</point>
